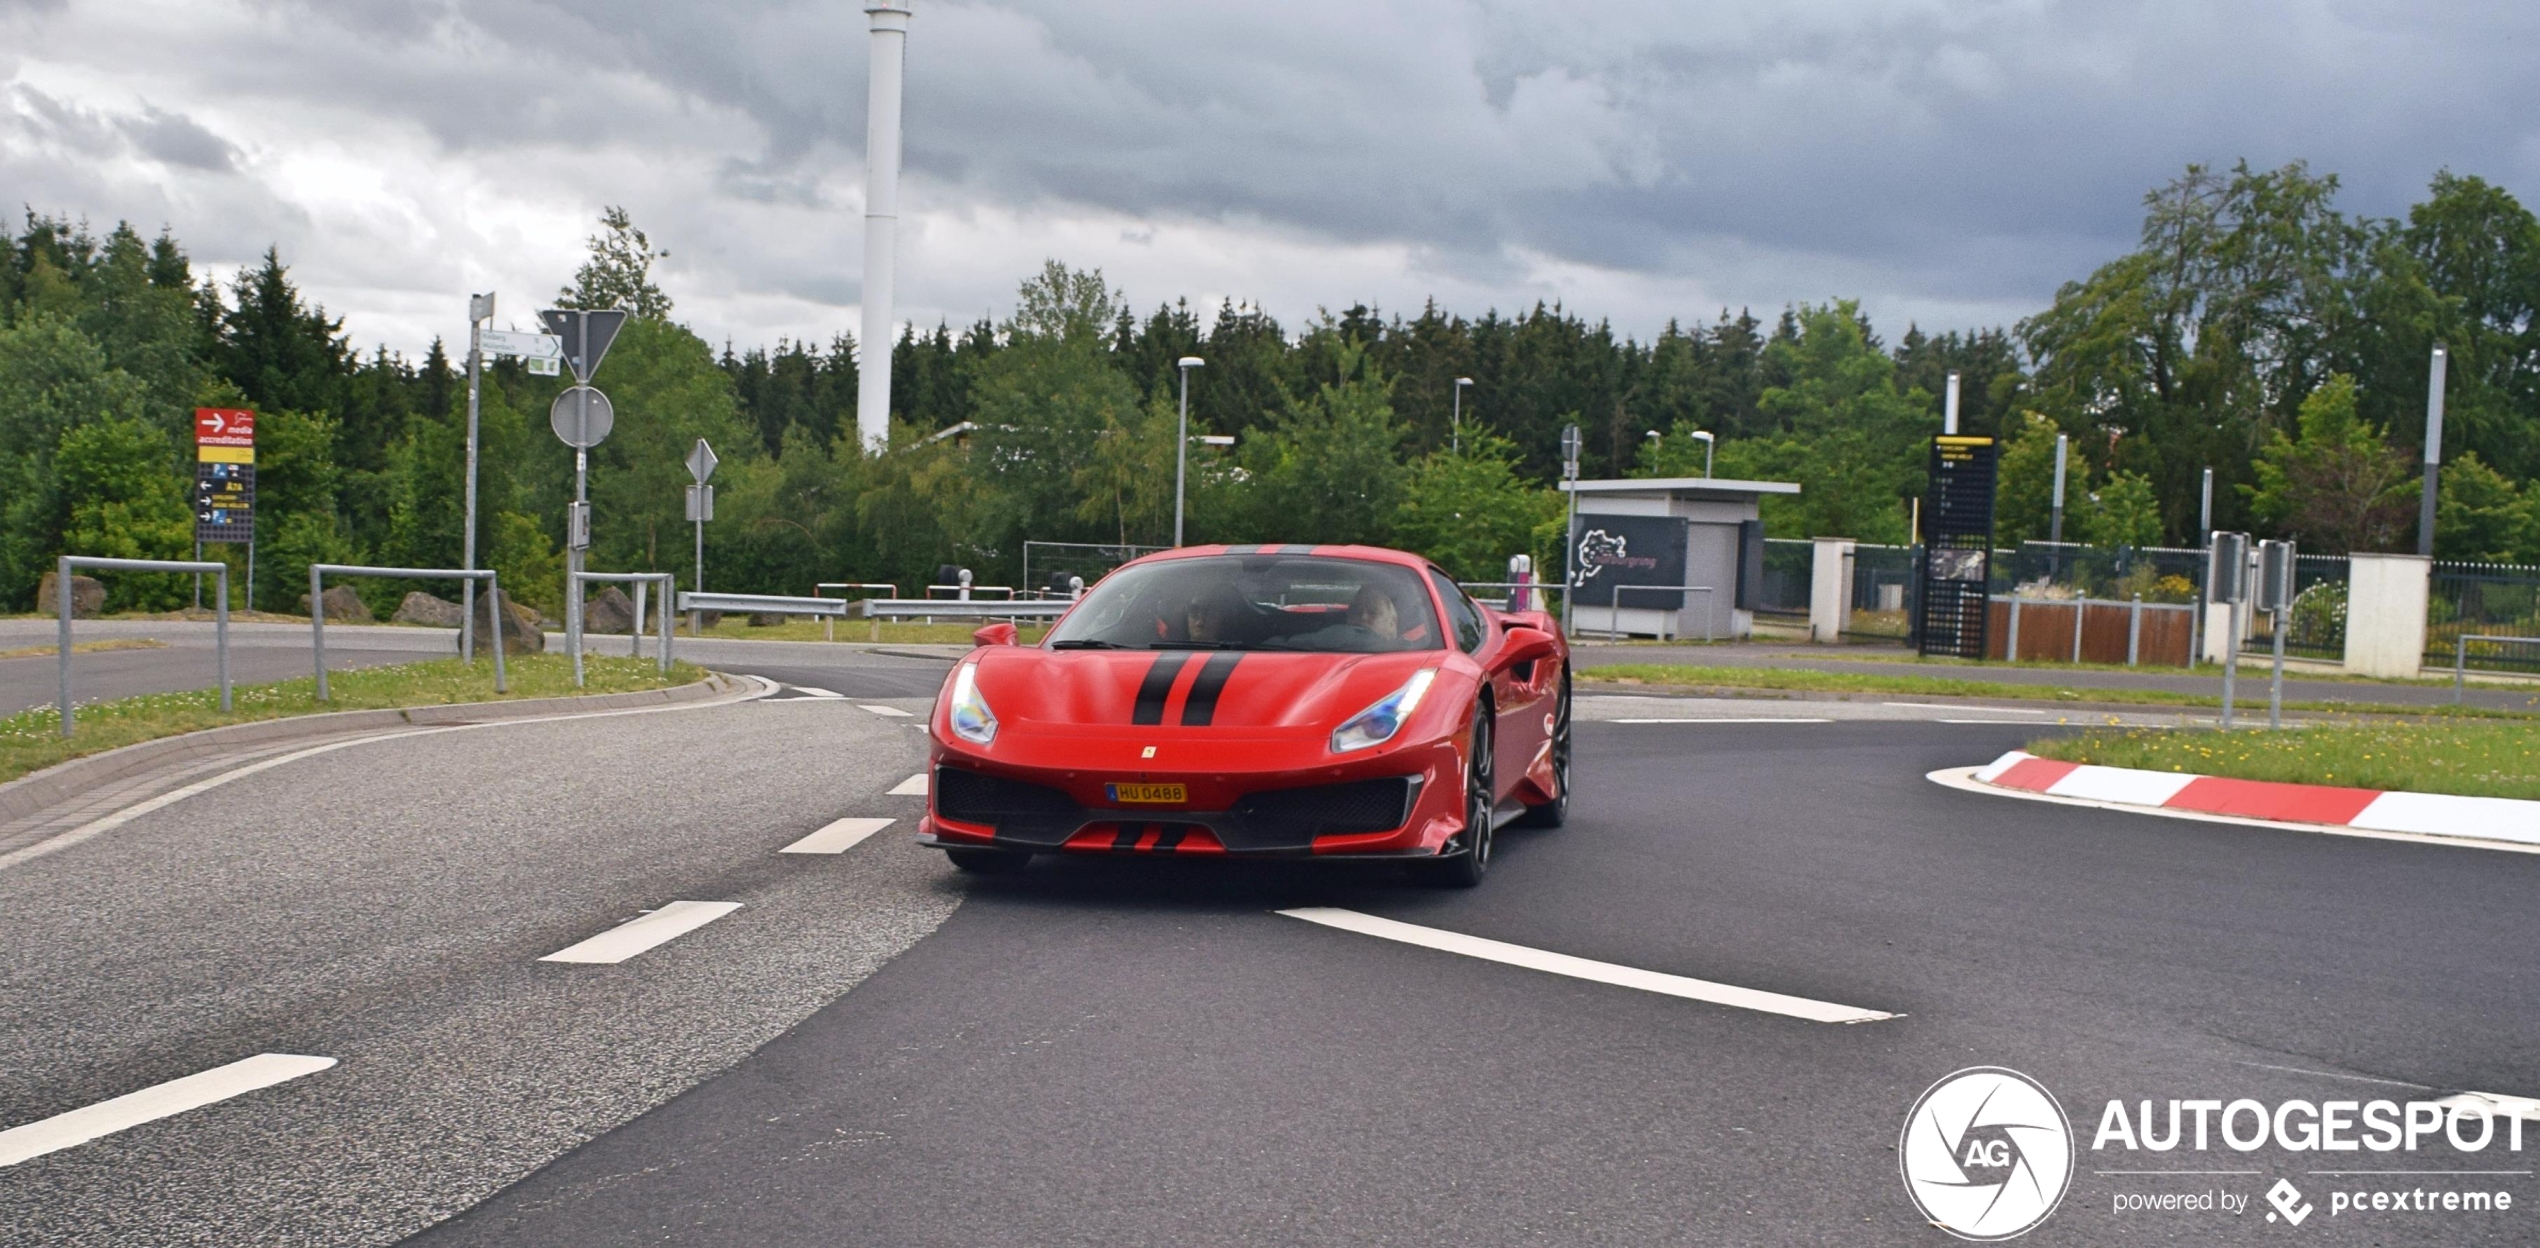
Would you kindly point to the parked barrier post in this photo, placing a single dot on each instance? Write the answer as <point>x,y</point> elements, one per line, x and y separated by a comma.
<point>65,565</point>
<point>2081,607</point>
<point>317,609</point>
<point>2011,644</point>
<point>2460,667</point>
<point>2134,633</point>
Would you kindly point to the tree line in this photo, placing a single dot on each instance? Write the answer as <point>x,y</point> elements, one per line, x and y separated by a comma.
<point>2257,331</point>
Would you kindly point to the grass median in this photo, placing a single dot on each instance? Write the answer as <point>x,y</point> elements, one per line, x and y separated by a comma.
<point>2472,759</point>
<point>32,740</point>
<point>1693,678</point>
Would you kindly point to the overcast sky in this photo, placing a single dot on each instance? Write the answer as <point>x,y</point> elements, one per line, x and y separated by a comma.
<point>1945,161</point>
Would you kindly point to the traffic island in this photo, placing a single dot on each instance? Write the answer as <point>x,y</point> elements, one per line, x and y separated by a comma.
<point>31,741</point>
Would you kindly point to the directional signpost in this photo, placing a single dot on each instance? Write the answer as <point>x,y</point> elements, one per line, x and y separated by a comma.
<point>542,354</point>
<point>581,417</point>
<point>701,462</point>
<point>225,485</point>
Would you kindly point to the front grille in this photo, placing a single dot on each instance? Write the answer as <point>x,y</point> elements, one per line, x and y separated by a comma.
<point>1015,808</point>
<point>1290,815</point>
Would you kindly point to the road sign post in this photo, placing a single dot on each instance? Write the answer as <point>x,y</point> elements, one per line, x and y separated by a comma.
<point>701,462</point>
<point>581,417</point>
<point>1569,524</point>
<point>2275,596</point>
<point>2227,582</point>
<point>225,483</point>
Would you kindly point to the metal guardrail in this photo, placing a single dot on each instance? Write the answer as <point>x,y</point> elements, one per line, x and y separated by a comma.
<point>973,609</point>
<point>317,608</point>
<point>62,601</point>
<point>2460,657</point>
<point>764,604</point>
<point>829,626</point>
<point>963,592</point>
<point>1548,587</point>
<point>641,581</point>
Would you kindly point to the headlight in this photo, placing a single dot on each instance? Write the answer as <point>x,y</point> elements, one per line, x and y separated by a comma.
<point>971,719</point>
<point>1377,724</point>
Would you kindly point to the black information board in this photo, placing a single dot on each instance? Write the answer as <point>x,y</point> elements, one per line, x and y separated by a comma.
<point>1630,550</point>
<point>224,502</point>
<point>1957,572</point>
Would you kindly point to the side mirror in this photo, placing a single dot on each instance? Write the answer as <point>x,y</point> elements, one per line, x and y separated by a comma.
<point>1525,645</point>
<point>999,634</point>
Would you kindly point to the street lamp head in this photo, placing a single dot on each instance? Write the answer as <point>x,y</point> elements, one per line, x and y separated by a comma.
<point>1700,435</point>
<point>1653,435</point>
<point>1464,381</point>
<point>1217,439</point>
<point>1191,361</point>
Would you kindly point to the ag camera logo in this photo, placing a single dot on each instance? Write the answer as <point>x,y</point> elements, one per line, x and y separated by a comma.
<point>1986,1153</point>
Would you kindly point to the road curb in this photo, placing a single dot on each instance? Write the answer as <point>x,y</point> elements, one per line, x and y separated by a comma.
<point>2317,805</point>
<point>62,781</point>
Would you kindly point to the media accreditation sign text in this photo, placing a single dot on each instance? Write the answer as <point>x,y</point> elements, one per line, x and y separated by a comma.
<point>224,475</point>
<point>1988,1154</point>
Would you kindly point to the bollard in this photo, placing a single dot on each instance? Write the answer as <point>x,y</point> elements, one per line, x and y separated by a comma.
<point>2011,645</point>
<point>2134,632</point>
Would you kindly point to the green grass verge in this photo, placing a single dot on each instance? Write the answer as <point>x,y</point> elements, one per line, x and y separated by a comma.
<point>1809,680</point>
<point>2478,760</point>
<point>32,740</point>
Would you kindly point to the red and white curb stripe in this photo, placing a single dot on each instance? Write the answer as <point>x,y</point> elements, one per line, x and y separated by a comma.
<point>2367,810</point>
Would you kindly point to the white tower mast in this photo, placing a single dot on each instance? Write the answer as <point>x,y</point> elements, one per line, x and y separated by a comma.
<point>881,222</point>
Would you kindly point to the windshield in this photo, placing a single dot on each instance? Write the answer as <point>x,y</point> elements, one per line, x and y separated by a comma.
<point>1254,602</point>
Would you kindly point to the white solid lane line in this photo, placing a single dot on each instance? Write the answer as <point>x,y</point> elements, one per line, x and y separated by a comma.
<point>1761,719</point>
<point>1938,706</point>
<point>2503,1106</point>
<point>643,932</point>
<point>2024,723</point>
<point>914,786</point>
<point>150,1104</point>
<point>837,838</point>
<point>1585,968</point>
<point>892,711</point>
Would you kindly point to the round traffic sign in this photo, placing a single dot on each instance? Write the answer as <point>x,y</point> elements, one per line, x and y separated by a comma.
<point>581,416</point>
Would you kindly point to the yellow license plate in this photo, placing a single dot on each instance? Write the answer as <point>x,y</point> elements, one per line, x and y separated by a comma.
<point>1151,794</point>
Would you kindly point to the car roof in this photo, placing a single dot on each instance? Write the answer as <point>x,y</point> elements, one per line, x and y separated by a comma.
<point>1372,554</point>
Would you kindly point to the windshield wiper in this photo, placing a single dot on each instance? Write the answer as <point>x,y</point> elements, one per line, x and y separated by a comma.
<point>1086,643</point>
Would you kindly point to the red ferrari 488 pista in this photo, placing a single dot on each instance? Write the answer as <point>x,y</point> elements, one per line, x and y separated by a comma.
<point>1269,701</point>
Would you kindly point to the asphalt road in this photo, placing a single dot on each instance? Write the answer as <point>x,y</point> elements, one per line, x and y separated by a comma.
<point>1122,1052</point>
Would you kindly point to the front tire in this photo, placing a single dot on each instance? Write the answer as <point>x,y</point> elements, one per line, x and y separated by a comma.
<point>1467,868</point>
<point>988,861</point>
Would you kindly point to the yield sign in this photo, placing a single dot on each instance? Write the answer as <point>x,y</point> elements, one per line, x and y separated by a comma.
<point>586,334</point>
<point>701,462</point>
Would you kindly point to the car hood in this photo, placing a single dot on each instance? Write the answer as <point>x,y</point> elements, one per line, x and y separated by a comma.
<point>1218,691</point>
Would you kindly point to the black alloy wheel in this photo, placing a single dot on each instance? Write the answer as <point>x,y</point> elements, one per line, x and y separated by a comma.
<point>1554,813</point>
<point>1467,867</point>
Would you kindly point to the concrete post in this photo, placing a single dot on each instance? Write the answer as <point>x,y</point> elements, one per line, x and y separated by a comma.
<point>2385,613</point>
<point>1830,590</point>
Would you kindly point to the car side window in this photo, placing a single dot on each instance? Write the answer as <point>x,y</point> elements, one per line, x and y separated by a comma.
<point>1467,618</point>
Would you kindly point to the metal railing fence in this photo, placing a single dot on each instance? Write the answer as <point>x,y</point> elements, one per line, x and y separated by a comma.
<point>635,641</point>
<point>66,564</point>
<point>317,609</point>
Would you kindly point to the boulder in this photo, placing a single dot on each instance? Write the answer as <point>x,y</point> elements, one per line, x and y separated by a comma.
<point>422,608</point>
<point>521,633</point>
<point>608,611</point>
<point>708,619</point>
<point>342,604</point>
<point>88,596</point>
<point>765,619</point>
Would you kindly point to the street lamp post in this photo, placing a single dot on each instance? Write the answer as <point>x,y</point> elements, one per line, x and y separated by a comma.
<point>2433,451</point>
<point>1455,426</point>
<point>1710,443</point>
<point>1182,442</point>
<point>480,309</point>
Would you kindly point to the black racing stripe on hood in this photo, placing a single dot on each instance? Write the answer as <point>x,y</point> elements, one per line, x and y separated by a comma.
<point>1200,709</point>
<point>1158,683</point>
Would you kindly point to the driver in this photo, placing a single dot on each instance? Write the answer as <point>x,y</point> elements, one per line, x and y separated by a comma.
<point>1373,609</point>
<point>1213,614</point>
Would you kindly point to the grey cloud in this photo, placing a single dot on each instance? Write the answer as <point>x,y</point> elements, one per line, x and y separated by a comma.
<point>175,139</point>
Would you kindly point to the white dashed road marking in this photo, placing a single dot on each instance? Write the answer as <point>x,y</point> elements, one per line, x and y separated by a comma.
<point>2024,723</point>
<point>150,1104</point>
<point>1766,719</point>
<point>643,932</point>
<point>1584,968</point>
<point>837,838</point>
<point>1937,706</point>
<point>914,786</point>
<point>892,711</point>
<point>813,691</point>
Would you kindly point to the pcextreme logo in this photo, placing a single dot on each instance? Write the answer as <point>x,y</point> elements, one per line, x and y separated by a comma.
<point>1986,1153</point>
